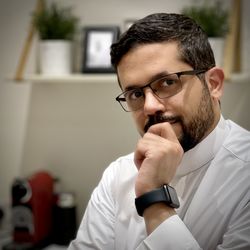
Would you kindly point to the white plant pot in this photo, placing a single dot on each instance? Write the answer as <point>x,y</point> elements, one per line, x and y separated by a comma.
<point>217,44</point>
<point>55,57</point>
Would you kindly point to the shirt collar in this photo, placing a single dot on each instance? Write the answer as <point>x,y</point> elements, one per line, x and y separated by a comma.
<point>203,152</point>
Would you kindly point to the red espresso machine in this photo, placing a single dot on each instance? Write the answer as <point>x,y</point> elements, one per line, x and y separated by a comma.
<point>32,205</point>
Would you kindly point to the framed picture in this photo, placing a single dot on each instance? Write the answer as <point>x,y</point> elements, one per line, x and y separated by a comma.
<point>97,42</point>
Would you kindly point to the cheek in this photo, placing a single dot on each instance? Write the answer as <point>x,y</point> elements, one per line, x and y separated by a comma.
<point>140,121</point>
<point>177,105</point>
<point>190,101</point>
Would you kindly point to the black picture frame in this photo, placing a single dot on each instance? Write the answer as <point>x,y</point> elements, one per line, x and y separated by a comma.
<point>96,47</point>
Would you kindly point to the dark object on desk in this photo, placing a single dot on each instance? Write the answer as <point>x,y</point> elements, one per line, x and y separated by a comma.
<point>1,214</point>
<point>64,219</point>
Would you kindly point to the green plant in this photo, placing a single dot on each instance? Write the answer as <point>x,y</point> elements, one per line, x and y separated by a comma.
<point>55,23</point>
<point>212,18</point>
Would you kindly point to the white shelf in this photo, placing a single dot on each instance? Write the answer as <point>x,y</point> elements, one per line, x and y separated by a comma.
<point>107,78</point>
<point>240,78</point>
<point>73,78</point>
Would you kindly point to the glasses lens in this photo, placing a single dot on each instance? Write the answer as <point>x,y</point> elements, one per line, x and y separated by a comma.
<point>134,99</point>
<point>167,86</point>
<point>123,103</point>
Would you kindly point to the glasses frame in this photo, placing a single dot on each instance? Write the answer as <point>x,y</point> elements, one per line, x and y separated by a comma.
<point>179,74</point>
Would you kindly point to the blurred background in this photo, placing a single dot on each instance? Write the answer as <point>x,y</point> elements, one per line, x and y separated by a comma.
<point>73,129</point>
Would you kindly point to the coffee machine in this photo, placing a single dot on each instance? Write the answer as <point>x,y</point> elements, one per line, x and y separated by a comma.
<point>32,204</point>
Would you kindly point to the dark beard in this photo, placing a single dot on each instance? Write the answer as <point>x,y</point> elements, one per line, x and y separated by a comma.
<point>195,130</point>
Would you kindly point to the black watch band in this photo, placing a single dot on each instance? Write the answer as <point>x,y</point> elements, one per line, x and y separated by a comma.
<point>166,194</point>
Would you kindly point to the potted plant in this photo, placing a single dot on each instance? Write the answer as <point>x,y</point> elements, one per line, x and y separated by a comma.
<point>56,27</point>
<point>213,19</point>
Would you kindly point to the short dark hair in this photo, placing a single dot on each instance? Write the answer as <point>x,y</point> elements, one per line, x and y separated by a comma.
<point>164,27</point>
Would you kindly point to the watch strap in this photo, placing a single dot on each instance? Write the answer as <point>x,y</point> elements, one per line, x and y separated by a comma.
<point>166,194</point>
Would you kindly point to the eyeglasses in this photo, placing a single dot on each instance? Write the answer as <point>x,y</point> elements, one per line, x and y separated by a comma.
<point>164,87</point>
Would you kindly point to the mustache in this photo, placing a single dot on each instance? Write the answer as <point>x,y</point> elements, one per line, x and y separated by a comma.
<point>160,118</point>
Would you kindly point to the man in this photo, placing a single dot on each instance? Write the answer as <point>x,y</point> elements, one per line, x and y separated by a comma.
<point>186,186</point>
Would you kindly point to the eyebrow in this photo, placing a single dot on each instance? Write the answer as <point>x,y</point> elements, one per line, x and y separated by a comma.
<point>151,79</point>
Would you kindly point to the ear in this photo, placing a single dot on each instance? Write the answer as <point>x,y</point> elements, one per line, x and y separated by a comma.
<point>215,82</point>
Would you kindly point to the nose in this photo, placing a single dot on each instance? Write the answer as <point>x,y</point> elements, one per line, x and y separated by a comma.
<point>152,103</point>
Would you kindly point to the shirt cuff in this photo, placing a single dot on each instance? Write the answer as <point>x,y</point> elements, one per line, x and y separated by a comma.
<point>173,234</point>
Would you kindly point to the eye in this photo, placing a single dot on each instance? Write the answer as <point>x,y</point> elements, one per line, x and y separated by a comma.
<point>134,94</point>
<point>167,82</point>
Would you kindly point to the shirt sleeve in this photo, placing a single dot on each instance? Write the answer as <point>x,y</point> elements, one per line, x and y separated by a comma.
<point>238,233</point>
<point>172,234</point>
<point>98,218</point>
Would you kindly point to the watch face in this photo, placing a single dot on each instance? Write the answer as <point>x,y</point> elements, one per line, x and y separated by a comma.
<point>173,197</point>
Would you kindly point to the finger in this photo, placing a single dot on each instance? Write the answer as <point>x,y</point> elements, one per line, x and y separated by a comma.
<point>147,142</point>
<point>139,154</point>
<point>146,146</point>
<point>164,130</point>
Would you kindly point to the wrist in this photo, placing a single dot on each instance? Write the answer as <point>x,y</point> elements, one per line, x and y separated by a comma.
<point>155,215</point>
<point>165,195</point>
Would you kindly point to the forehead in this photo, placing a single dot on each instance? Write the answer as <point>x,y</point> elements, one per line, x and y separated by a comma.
<point>144,62</point>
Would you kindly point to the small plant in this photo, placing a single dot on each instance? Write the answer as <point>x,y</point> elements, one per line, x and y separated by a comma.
<point>212,18</point>
<point>55,23</point>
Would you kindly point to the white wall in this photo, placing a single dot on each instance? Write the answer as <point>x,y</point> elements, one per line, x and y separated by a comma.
<point>75,130</point>
<point>14,99</point>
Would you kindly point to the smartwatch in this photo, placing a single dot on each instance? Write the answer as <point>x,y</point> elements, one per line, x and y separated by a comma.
<point>165,194</point>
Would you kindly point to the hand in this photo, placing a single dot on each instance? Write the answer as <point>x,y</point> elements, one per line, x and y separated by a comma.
<point>157,156</point>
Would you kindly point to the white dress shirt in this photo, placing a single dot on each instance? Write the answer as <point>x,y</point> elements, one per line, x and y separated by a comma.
<point>213,185</point>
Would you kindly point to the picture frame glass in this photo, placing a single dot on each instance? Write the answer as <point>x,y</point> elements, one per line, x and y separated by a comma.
<point>98,52</point>
<point>97,49</point>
